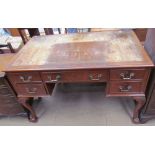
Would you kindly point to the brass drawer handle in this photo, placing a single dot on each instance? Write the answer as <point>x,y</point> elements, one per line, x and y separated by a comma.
<point>57,78</point>
<point>127,75</point>
<point>126,88</point>
<point>25,78</point>
<point>99,76</point>
<point>31,90</point>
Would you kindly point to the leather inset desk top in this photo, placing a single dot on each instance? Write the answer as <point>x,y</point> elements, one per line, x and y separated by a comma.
<point>109,49</point>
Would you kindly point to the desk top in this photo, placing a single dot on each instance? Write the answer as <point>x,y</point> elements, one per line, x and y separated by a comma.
<point>108,49</point>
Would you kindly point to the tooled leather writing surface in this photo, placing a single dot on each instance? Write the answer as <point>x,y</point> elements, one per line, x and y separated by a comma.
<point>81,50</point>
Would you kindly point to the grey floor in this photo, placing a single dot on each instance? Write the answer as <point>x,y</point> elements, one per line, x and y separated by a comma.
<point>79,104</point>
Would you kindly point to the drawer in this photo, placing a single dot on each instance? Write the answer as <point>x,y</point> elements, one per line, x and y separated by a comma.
<point>76,76</point>
<point>24,77</point>
<point>30,89</point>
<point>128,74</point>
<point>125,87</point>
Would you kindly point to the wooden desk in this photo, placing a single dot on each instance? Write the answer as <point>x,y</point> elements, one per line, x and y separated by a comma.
<point>114,57</point>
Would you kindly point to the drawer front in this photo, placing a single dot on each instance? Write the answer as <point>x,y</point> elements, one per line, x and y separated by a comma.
<point>76,76</point>
<point>126,87</point>
<point>128,74</point>
<point>30,89</point>
<point>24,77</point>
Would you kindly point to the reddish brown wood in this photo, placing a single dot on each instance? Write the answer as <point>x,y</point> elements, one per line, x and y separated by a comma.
<point>83,57</point>
<point>48,31</point>
<point>140,102</point>
<point>24,77</point>
<point>33,32</point>
<point>30,89</point>
<point>82,51</point>
<point>129,74</point>
<point>6,45</point>
<point>13,31</point>
<point>76,76</point>
<point>120,87</point>
<point>141,33</point>
<point>25,103</point>
<point>23,35</point>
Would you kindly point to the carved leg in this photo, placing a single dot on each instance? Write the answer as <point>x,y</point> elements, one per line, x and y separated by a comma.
<point>140,101</point>
<point>32,115</point>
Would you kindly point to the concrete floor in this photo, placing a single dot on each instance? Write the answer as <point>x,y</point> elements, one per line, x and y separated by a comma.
<point>76,104</point>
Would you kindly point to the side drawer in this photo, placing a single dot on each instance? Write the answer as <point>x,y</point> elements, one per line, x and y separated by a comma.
<point>125,87</point>
<point>76,76</point>
<point>128,74</point>
<point>30,89</point>
<point>24,77</point>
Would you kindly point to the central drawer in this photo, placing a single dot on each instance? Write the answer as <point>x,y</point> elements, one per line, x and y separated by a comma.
<point>76,76</point>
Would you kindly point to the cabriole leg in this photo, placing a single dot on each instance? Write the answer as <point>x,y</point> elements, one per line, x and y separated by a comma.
<point>140,101</point>
<point>25,103</point>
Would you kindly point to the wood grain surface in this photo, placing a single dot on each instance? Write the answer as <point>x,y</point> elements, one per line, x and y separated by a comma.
<point>109,49</point>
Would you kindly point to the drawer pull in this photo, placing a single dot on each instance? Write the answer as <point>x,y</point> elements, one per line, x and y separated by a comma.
<point>127,75</point>
<point>99,76</point>
<point>26,78</point>
<point>57,78</point>
<point>31,90</point>
<point>126,88</point>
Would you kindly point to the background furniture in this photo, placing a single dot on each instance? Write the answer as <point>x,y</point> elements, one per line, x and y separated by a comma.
<point>149,109</point>
<point>35,32</point>
<point>82,57</point>
<point>47,31</point>
<point>102,29</point>
<point>13,31</point>
<point>8,101</point>
<point>32,32</point>
<point>9,44</point>
<point>2,46</point>
<point>140,32</point>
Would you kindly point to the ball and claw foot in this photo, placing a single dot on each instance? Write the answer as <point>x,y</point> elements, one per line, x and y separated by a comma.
<point>140,101</point>
<point>136,120</point>
<point>33,119</point>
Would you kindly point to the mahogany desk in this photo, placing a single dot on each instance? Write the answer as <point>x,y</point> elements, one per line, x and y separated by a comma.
<point>114,57</point>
